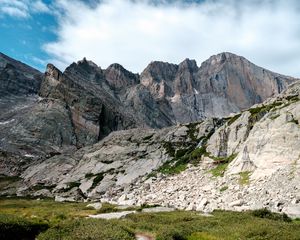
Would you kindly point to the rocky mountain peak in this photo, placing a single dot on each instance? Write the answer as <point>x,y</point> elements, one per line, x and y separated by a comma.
<point>157,72</point>
<point>118,77</point>
<point>188,63</point>
<point>87,63</point>
<point>52,72</point>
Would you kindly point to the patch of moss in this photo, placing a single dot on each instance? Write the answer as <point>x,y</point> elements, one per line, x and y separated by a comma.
<point>233,119</point>
<point>222,164</point>
<point>224,188</point>
<point>244,178</point>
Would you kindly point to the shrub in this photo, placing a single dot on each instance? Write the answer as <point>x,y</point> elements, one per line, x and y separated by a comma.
<point>265,213</point>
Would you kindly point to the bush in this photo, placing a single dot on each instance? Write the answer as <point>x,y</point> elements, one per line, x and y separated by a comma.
<point>265,213</point>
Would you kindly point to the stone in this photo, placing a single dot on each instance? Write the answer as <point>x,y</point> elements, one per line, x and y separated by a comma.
<point>293,210</point>
<point>158,209</point>
<point>114,215</point>
<point>96,206</point>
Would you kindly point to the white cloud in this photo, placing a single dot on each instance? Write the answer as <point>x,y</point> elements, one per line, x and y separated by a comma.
<point>22,8</point>
<point>133,33</point>
<point>40,6</point>
<point>17,8</point>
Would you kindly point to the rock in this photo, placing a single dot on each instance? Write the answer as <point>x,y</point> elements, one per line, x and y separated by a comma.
<point>293,211</point>
<point>64,199</point>
<point>114,215</point>
<point>236,203</point>
<point>202,204</point>
<point>96,206</point>
<point>158,209</point>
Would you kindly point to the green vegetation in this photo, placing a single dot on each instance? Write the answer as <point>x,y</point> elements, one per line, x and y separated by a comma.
<point>181,154</point>
<point>222,163</point>
<point>244,178</point>
<point>42,215</point>
<point>224,188</point>
<point>233,119</point>
<point>265,213</point>
<point>219,170</point>
<point>192,131</point>
<point>97,229</point>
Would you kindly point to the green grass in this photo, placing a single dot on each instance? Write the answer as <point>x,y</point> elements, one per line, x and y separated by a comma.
<point>244,178</point>
<point>222,164</point>
<point>37,216</point>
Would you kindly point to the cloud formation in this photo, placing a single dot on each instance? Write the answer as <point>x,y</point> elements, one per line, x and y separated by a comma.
<point>22,8</point>
<point>133,33</point>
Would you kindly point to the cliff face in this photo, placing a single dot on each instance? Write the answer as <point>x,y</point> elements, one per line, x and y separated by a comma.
<point>94,109</point>
<point>17,78</point>
<point>223,84</point>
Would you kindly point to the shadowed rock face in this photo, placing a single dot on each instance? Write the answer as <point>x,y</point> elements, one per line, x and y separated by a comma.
<point>17,78</point>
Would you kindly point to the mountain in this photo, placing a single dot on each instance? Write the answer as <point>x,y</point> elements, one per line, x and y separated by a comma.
<point>246,161</point>
<point>104,100</point>
<point>96,133</point>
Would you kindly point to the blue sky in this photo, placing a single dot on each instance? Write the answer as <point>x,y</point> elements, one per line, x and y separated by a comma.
<point>133,33</point>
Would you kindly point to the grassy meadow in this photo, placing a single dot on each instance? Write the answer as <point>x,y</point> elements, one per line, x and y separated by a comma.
<point>45,219</point>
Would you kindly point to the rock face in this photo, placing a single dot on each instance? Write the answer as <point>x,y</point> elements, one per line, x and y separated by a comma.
<point>17,78</point>
<point>115,136</point>
<point>223,84</point>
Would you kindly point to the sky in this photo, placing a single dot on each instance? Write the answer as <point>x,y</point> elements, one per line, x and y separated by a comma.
<point>136,32</point>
